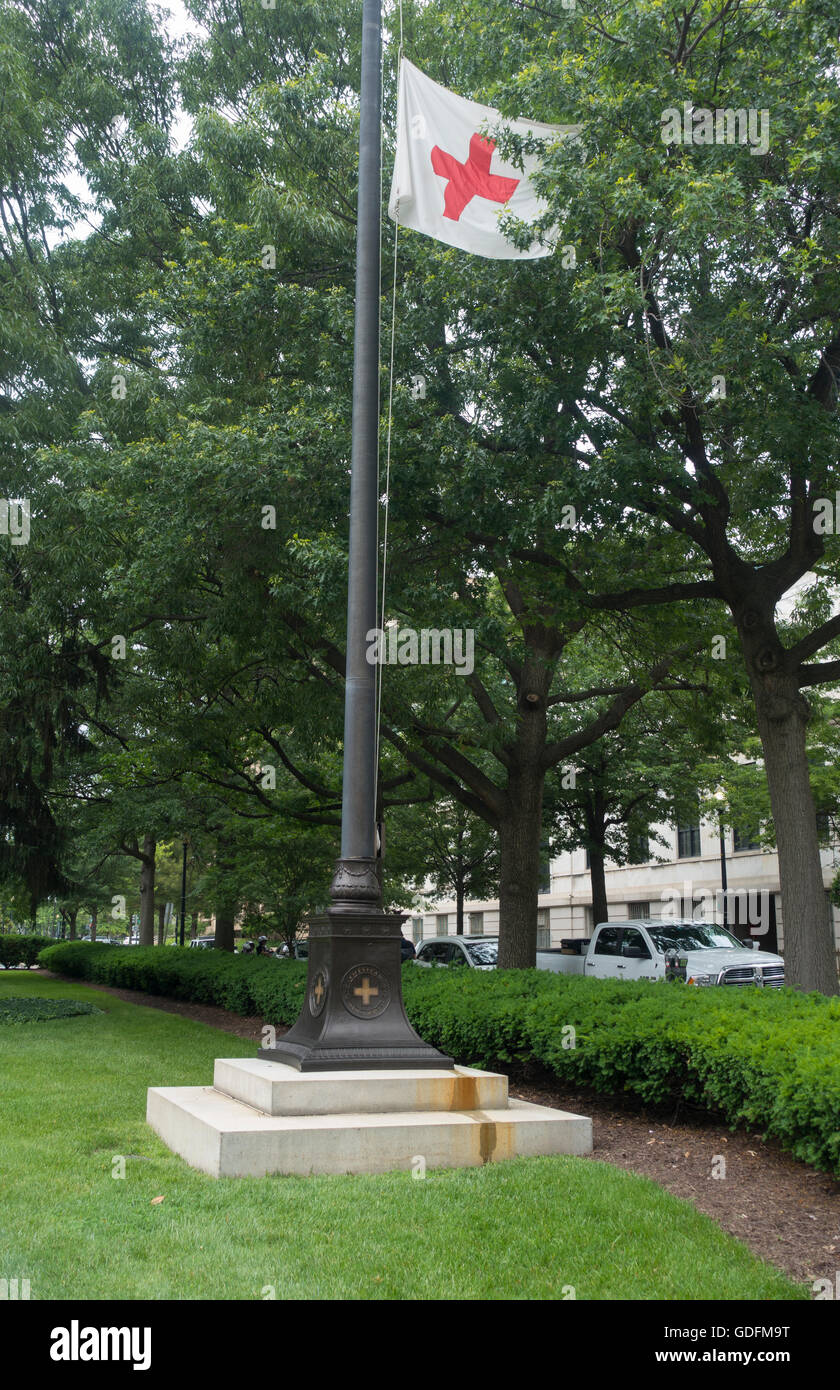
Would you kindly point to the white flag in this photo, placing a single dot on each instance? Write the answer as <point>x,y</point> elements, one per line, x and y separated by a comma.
<point>450,182</point>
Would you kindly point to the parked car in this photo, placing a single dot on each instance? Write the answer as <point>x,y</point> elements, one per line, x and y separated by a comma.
<point>480,952</point>
<point>701,953</point>
<point>203,943</point>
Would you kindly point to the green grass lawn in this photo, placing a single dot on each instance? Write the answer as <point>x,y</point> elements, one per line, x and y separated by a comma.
<point>73,1095</point>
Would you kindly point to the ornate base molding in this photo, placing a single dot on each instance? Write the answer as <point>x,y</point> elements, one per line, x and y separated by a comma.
<point>353,1016</point>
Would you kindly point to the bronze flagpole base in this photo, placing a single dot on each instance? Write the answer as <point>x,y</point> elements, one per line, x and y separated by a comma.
<point>353,1016</point>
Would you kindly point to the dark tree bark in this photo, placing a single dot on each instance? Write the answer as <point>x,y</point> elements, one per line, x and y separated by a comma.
<point>520,837</point>
<point>459,909</point>
<point>595,813</point>
<point>93,921</point>
<point>72,914</point>
<point>598,880</point>
<point>161,923</point>
<point>225,922</point>
<point>147,891</point>
<point>521,826</point>
<point>782,714</point>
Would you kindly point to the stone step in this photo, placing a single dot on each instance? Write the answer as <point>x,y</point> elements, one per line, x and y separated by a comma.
<point>226,1138</point>
<point>276,1089</point>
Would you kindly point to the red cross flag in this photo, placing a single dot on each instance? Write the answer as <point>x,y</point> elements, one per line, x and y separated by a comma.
<point>449,180</point>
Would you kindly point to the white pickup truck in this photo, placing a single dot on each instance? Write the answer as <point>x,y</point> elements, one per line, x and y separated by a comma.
<point>701,953</point>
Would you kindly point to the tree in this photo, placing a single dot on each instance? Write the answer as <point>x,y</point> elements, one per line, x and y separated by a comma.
<point>85,89</point>
<point>282,870</point>
<point>646,773</point>
<point>441,845</point>
<point>457,551</point>
<point>653,769</point>
<point>695,347</point>
<point>551,496</point>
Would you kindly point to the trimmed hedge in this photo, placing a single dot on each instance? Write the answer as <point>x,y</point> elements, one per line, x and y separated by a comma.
<point>252,985</point>
<point>23,950</point>
<point>769,1059</point>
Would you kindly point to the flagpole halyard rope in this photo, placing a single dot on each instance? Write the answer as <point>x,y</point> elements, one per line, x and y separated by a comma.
<point>377,739</point>
<point>387,479</point>
<point>440,155</point>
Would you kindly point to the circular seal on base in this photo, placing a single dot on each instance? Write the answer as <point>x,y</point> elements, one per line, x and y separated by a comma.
<point>318,994</point>
<point>365,991</point>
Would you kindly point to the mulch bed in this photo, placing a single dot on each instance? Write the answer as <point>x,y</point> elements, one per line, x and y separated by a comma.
<point>784,1211</point>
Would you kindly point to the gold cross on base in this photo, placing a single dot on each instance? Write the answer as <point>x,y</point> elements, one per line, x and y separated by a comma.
<point>366,991</point>
<point>318,990</point>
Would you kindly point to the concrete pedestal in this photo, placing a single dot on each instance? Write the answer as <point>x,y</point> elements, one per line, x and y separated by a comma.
<point>262,1117</point>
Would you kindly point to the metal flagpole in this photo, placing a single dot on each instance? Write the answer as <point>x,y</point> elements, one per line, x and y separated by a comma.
<point>353,1016</point>
<point>358,810</point>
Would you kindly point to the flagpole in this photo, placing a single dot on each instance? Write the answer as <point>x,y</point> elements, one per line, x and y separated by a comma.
<point>353,1016</point>
<point>358,809</point>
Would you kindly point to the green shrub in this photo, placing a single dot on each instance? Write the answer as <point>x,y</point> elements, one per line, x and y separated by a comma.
<point>769,1059</point>
<point>253,985</point>
<point>22,950</point>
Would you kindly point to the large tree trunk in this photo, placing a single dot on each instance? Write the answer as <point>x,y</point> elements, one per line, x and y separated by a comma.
<point>782,714</point>
<point>161,923</point>
<point>459,909</point>
<point>598,880</point>
<point>71,916</point>
<point>520,826</point>
<point>147,892</point>
<point>520,839</point>
<point>225,920</point>
<point>93,921</point>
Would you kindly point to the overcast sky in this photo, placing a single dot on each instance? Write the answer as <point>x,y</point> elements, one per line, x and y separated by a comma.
<point>176,21</point>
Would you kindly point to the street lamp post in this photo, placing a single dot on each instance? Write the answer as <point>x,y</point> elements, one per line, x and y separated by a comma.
<point>183,891</point>
<point>353,1015</point>
<point>719,796</point>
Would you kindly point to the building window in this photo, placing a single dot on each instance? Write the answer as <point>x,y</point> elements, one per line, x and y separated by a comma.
<point>417,928</point>
<point>476,924</point>
<point>694,909</point>
<point>543,929</point>
<point>742,840</point>
<point>688,839</point>
<point>545,869</point>
<point>638,848</point>
<point>638,912</point>
<point>443,924</point>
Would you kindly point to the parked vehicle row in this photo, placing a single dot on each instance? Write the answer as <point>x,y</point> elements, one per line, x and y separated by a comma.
<point>700,953</point>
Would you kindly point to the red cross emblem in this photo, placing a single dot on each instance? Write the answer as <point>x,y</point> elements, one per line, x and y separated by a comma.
<point>472,179</point>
